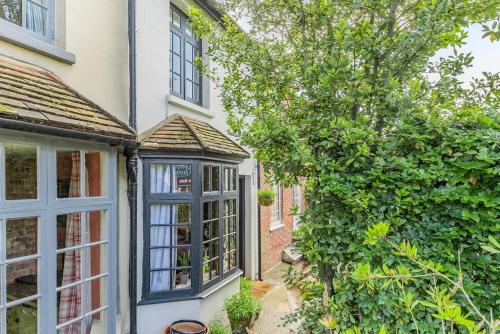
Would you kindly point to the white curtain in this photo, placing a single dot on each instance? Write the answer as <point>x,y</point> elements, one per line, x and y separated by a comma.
<point>36,16</point>
<point>159,178</point>
<point>160,257</point>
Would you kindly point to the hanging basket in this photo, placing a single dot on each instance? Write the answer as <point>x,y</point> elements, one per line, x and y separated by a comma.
<point>265,197</point>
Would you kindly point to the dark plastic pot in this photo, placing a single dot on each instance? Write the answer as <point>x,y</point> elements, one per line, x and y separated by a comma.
<point>188,327</point>
<point>240,326</point>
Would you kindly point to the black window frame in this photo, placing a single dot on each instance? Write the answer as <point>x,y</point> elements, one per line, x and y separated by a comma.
<point>184,38</point>
<point>196,198</point>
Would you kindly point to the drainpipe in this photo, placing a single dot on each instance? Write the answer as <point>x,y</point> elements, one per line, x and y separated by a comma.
<point>132,158</point>
<point>259,236</point>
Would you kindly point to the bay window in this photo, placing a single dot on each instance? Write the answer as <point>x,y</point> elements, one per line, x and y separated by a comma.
<point>191,226</point>
<point>57,232</point>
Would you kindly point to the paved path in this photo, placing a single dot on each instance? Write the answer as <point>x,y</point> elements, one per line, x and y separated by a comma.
<point>277,303</point>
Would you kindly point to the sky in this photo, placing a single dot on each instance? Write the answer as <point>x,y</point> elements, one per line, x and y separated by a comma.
<point>486,54</point>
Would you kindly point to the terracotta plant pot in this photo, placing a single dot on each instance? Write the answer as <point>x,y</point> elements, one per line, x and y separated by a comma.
<point>167,330</point>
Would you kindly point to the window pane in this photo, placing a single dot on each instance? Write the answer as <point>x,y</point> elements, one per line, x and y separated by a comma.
<point>196,92</point>
<point>176,19</point>
<point>183,178</point>
<point>23,319</point>
<point>206,178</point>
<point>21,237</point>
<point>161,236</point>
<point>215,178</point>
<point>160,178</point>
<point>160,280</point>
<point>183,235</point>
<point>189,31</point>
<point>95,166</point>
<point>12,11</point>
<point>68,174</point>
<point>183,214</point>
<point>21,173</point>
<point>189,89</point>
<point>69,230</point>
<point>176,64</point>
<point>182,279</point>
<point>176,44</point>
<point>176,83</point>
<point>69,307</point>
<point>98,293</point>
<point>97,260</point>
<point>189,52</point>
<point>96,226</point>
<point>69,267</point>
<point>160,258</point>
<point>36,17</point>
<point>22,280</point>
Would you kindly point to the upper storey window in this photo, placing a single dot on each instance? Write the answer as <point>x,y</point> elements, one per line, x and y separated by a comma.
<point>185,46</point>
<point>35,16</point>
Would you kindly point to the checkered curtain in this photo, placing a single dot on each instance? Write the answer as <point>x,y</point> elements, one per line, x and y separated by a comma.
<point>70,302</point>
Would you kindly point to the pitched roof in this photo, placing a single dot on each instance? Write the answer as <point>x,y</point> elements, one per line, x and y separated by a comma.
<point>33,95</point>
<point>181,133</point>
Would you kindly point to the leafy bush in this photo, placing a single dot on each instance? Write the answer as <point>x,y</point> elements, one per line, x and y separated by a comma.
<point>245,285</point>
<point>242,306</point>
<point>265,197</point>
<point>218,328</point>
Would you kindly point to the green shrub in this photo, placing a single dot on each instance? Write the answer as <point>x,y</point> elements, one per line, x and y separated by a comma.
<point>218,328</point>
<point>266,197</point>
<point>245,285</point>
<point>242,306</point>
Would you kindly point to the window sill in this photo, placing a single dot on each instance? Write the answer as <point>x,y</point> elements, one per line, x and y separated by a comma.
<point>203,295</point>
<point>24,40</point>
<point>176,101</point>
<point>276,226</point>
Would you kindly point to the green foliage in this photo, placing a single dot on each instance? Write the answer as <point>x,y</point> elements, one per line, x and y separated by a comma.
<point>341,93</point>
<point>265,197</point>
<point>218,328</point>
<point>242,306</point>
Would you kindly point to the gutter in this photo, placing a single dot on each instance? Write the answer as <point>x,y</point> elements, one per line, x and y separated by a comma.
<point>132,160</point>
<point>259,229</point>
<point>13,124</point>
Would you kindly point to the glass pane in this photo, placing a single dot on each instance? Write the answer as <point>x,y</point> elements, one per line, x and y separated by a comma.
<point>74,328</point>
<point>189,89</point>
<point>23,319</point>
<point>176,19</point>
<point>69,230</point>
<point>161,236</point>
<point>36,17</point>
<point>214,269</point>
<point>206,231</point>
<point>232,258</point>
<point>69,307</point>
<point>189,31</point>
<point>96,226</point>
<point>189,71</point>
<point>206,272</point>
<point>21,173</point>
<point>215,210</point>
<point>96,323</point>
<point>12,11</point>
<point>95,166</point>
<point>183,235</point>
<point>215,248</point>
<point>176,64</point>
<point>160,258</point>
<point>183,257</point>
<point>215,178</point>
<point>22,280</point>
<point>97,260</point>
<point>196,93</point>
<point>206,178</point>
<point>160,178</point>
<point>183,178</point>
<point>98,293</point>
<point>160,280</point>
<point>68,174</point>
<point>176,44</point>
<point>69,267</point>
<point>227,263</point>
<point>176,83</point>
<point>183,215</point>
<point>161,214</point>
<point>182,279</point>
<point>189,52</point>
<point>215,229</point>
<point>21,237</point>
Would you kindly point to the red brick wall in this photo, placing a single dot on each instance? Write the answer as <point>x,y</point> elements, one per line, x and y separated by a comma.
<point>274,242</point>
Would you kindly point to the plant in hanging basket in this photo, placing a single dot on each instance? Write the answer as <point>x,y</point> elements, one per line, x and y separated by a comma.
<point>266,197</point>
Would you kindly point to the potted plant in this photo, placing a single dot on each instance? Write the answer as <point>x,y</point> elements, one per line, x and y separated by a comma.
<point>265,197</point>
<point>185,261</point>
<point>242,309</point>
